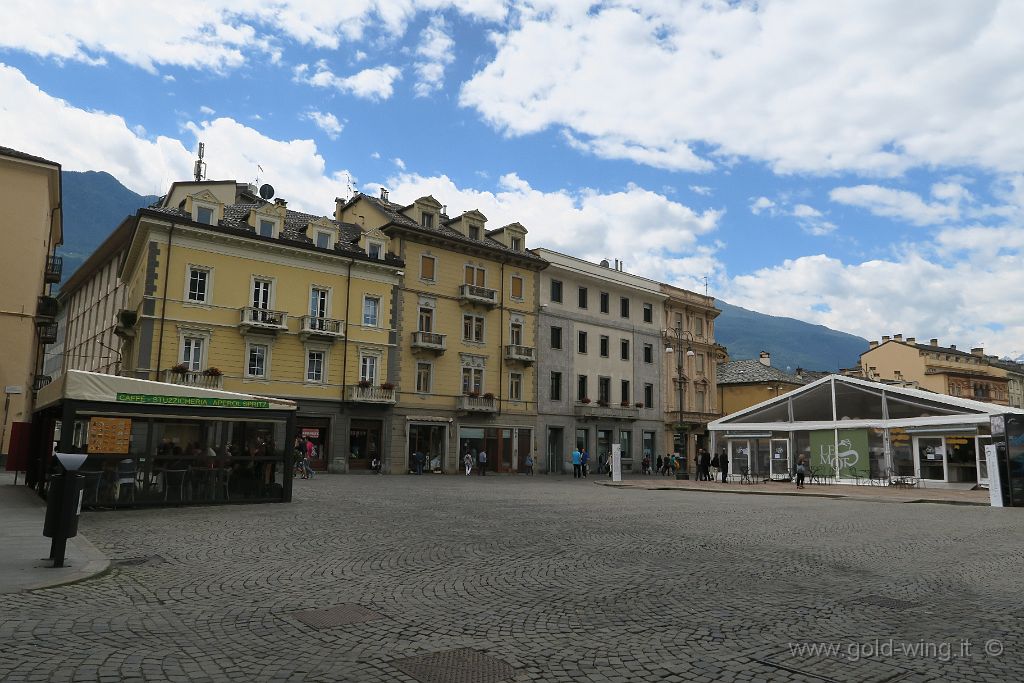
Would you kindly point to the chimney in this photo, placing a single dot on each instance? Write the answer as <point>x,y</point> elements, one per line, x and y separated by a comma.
<point>765,358</point>
<point>898,337</point>
<point>978,351</point>
<point>872,344</point>
<point>383,194</point>
<point>280,202</point>
<point>933,342</point>
<point>953,346</point>
<point>604,263</point>
<point>885,338</point>
<point>911,340</point>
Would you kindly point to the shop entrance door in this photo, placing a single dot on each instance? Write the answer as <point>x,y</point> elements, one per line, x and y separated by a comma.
<point>739,456</point>
<point>317,431</point>
<point>364,443</point>
<point>931,457</point>
<point>780,466</point>
<point>556,449</point>
<point>982,441</point>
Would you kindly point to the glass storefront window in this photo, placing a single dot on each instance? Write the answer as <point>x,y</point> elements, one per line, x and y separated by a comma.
<point>626,444</point>
<point>902,452</point>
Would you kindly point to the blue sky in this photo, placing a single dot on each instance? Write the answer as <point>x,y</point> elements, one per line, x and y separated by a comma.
<point>854,164</point>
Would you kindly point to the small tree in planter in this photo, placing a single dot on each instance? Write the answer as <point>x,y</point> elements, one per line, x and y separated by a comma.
<point>473,394</point>
<point>387,386</point>
<point>638,404</point>
<point>181,369</point>
<point>624,404</point>
<point>489,396</point>
<point>212,372</point>
<point>364,384</point>
<point>585,400</point>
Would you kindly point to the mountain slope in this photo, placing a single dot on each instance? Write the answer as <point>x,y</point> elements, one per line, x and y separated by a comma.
<point>94,204</point>
<point>791,342</point>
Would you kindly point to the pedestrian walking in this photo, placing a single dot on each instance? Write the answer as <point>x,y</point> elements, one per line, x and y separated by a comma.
<point>468,460</point>
<point>577,467</point>
<point>419,458</point>
<point>529,464</point>
<point>584,462</point>
<point>705,465</point>
<point>659,465</point>
<point>481,461</point>
<point>307,469</point>
<point>801,472</point>
<point>723,466</point>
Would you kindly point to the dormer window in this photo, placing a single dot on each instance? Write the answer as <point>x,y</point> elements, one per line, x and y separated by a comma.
<point>204,214</point>
<point>323,239</point>
<point>516,243</point>
<point>474,232</point>
<point>265,228</point>
<point>375,250</point>
<point>427,220</point>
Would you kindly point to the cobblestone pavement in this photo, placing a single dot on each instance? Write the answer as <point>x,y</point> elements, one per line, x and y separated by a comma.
<point>543,579</point>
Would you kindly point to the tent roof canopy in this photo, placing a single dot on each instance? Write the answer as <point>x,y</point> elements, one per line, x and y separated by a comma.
<point>78,385</point>
<point>844,400</point>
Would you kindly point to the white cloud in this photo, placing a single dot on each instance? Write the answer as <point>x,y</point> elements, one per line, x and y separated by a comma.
<point>207,111</point>
<point>802,85</point>
<point>916,295</point>
<point>812,221</point>
<point>434,53</point>
<point>399,164</point>
<point>761,204</point>
<point>587,223</point>
<point>370,84</point>
<point>702,190</point>
<point>906,206</point>
<point>375,155</point>
<point>327,122</point>
<point>208,34</point>
<point>94,140</point>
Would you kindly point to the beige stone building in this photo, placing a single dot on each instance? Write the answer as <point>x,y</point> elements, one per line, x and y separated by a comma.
<point>31,220</point>
<point>942,369</point>
<point>689,384</point>
<point>91,302</point>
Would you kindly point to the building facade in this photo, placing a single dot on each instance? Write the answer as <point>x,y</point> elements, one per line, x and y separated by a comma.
<point>225,290</point>
<point>91,301</point>
<point>600,363</point>
<point>941,369</point>
<point>690,382</point>
<point>31,218</point>
<point>466,316</point>
<point>743,383</point>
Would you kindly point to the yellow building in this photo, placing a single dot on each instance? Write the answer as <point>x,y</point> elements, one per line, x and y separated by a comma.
<point>226,290</point>
<point>744,383</point>
<point>942,369</point>
<point>31,220</point>
<point>466,318</point>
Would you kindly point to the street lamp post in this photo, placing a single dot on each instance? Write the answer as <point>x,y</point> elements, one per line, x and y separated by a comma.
<point>680,336</point>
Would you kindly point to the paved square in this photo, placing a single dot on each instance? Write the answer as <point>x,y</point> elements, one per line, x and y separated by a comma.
<point>560,580</point>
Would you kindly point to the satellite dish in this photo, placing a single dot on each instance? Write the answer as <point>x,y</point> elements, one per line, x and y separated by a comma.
<point>267,191</point>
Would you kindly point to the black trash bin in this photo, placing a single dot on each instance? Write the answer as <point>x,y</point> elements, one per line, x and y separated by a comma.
<point>63,506</point>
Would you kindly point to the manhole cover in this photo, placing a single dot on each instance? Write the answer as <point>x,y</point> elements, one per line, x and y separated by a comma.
<point>455,666</point>
<point>338,615</point>
<point>885,601</point>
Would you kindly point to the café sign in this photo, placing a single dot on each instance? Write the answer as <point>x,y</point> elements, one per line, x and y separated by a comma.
<point>192,401</point>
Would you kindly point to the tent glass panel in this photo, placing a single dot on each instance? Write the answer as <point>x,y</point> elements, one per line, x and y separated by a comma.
<point>902,407</point>
<point>858,403</point>
<point>814,405</point>
<point>776,412</point>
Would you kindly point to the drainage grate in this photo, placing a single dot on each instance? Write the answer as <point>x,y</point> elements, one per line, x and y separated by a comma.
<point>885,601</point>
<point>455,666</point>
<point>338,615</point>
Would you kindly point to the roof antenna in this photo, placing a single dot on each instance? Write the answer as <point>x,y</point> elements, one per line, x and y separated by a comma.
<point>705,285</point>
<point>200,168</point>
<point>348,185</point>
